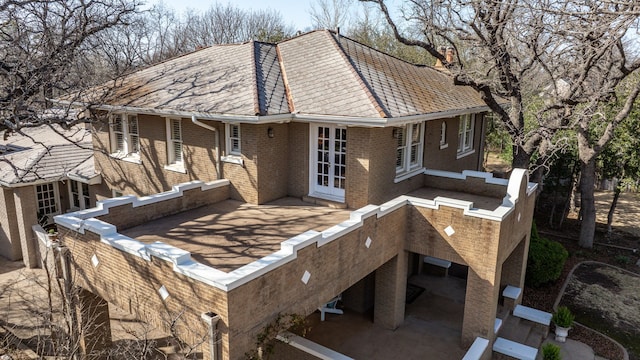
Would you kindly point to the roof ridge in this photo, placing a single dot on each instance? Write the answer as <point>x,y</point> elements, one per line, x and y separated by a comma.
<point>285,80</point>
<point>254,74</point>
<point>375,102</point>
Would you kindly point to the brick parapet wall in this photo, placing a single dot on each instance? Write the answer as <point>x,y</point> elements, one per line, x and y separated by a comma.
<point>128,214</point>
<point>472,182</point>
<point>132,283</point>
<point>333,268</point>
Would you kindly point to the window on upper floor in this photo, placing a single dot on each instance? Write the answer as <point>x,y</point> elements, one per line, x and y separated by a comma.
<point>125,139</point>
<point>465,135</point>
<point>443,136</point>
<point>80,198</point>
<point>410,147</point>
<point>174,144</point>
<point>233,139</point>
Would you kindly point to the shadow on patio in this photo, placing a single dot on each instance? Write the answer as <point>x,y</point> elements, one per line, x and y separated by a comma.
<point>431,330</point>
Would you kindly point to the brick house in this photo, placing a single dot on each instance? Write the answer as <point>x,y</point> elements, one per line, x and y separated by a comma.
<point>42,174</point>
<point>258,135</point>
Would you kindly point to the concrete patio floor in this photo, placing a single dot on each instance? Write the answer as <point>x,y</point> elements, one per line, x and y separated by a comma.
<point>230,234</point>
<point>432,328</point>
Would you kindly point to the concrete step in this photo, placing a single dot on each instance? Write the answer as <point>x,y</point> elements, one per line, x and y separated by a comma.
<point>323,202</point>
<point>515,330</point>
<point>514,349</point>
<point>536,337</point>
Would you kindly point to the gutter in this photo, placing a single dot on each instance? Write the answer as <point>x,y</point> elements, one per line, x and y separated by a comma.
<point>294,116</point>
<point>217,143</point>
<point>31,183</point>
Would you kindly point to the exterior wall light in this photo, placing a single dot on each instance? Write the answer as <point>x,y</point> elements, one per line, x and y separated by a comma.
<point>270,132</point>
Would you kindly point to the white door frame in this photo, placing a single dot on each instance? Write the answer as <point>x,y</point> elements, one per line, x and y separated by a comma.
<point>331,191</point>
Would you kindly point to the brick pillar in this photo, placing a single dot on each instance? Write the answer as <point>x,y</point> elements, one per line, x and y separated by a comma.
<point>26,211</point>
<point>95,329</point>
<point>10,246</point>
<point>390,292</point>
<point>480,306</point>
<point>515,266</point>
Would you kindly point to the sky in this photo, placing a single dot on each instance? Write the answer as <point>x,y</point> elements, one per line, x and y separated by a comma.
<point>294,12</point>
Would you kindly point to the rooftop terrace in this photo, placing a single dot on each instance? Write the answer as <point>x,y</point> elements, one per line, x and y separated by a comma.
<point>226,243</point>
<point>229,234</point>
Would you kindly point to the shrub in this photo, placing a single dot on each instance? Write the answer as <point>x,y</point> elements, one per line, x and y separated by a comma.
<point>546,260</point>
<point>551,352</point>
<point>563,317</point>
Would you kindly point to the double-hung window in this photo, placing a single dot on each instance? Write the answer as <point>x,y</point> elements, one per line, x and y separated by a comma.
<point>443,136</point>
<point>174,145</point>
<point>125,139</point>
<point>233,137</point>
<point>233,142</point>
<point>410,147</point>
<point>465,134</point>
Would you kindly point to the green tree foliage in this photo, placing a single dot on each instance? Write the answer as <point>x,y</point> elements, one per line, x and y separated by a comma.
<point>620,159</point>
<point>546,260</point>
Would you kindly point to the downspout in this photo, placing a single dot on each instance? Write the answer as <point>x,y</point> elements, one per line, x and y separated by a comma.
<point>217,143</point>
<point>211,320</point>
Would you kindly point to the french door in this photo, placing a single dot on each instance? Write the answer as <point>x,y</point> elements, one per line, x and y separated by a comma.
<point>328,168</point>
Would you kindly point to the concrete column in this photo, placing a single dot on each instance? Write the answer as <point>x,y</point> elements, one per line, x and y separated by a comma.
<point>26,211</point>
<point>480,306</point>
<point>390,292</point>
<point>95,328</point>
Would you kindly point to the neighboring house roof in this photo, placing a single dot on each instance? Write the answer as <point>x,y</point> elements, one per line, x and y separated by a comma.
<point>43,154</point>
<point>318,73</point>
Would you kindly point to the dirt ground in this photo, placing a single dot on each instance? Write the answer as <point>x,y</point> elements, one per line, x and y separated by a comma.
<point>607,298</point>
<point>25,319</point>
<point>616,249</point>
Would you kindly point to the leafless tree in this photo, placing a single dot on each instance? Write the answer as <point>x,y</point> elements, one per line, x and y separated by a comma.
<point>330,14</point>
<point>41,310</point>
<point>555,63</point>
<point>42,43</point>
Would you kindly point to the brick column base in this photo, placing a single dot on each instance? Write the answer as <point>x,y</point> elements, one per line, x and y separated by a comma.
<point>390,292</point>
<point>95,328</point>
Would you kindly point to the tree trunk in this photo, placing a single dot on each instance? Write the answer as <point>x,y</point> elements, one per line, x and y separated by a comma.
<point>570,205</point>
<point>521,158</point>
<point>614,203</point>
<point>587,206</point>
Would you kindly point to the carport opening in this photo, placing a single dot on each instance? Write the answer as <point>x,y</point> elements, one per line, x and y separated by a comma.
<point>432,326</point>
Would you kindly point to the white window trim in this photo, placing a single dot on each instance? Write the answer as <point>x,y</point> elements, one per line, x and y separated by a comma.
<point>124,154</point>
<point>465,149</point>
<point>81,195</point>
<point>443,136</point>
<point>232,156</point>
<point>56,199</point>
<point>172,163</point>
<point>407,169</point>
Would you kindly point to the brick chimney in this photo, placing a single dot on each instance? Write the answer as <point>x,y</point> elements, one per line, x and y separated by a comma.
<point>450,55</point>
<point>442,51</point>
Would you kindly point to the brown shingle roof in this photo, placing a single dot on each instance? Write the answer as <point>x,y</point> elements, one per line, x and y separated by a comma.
<point>318,73</point>
<point>404,89</point>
